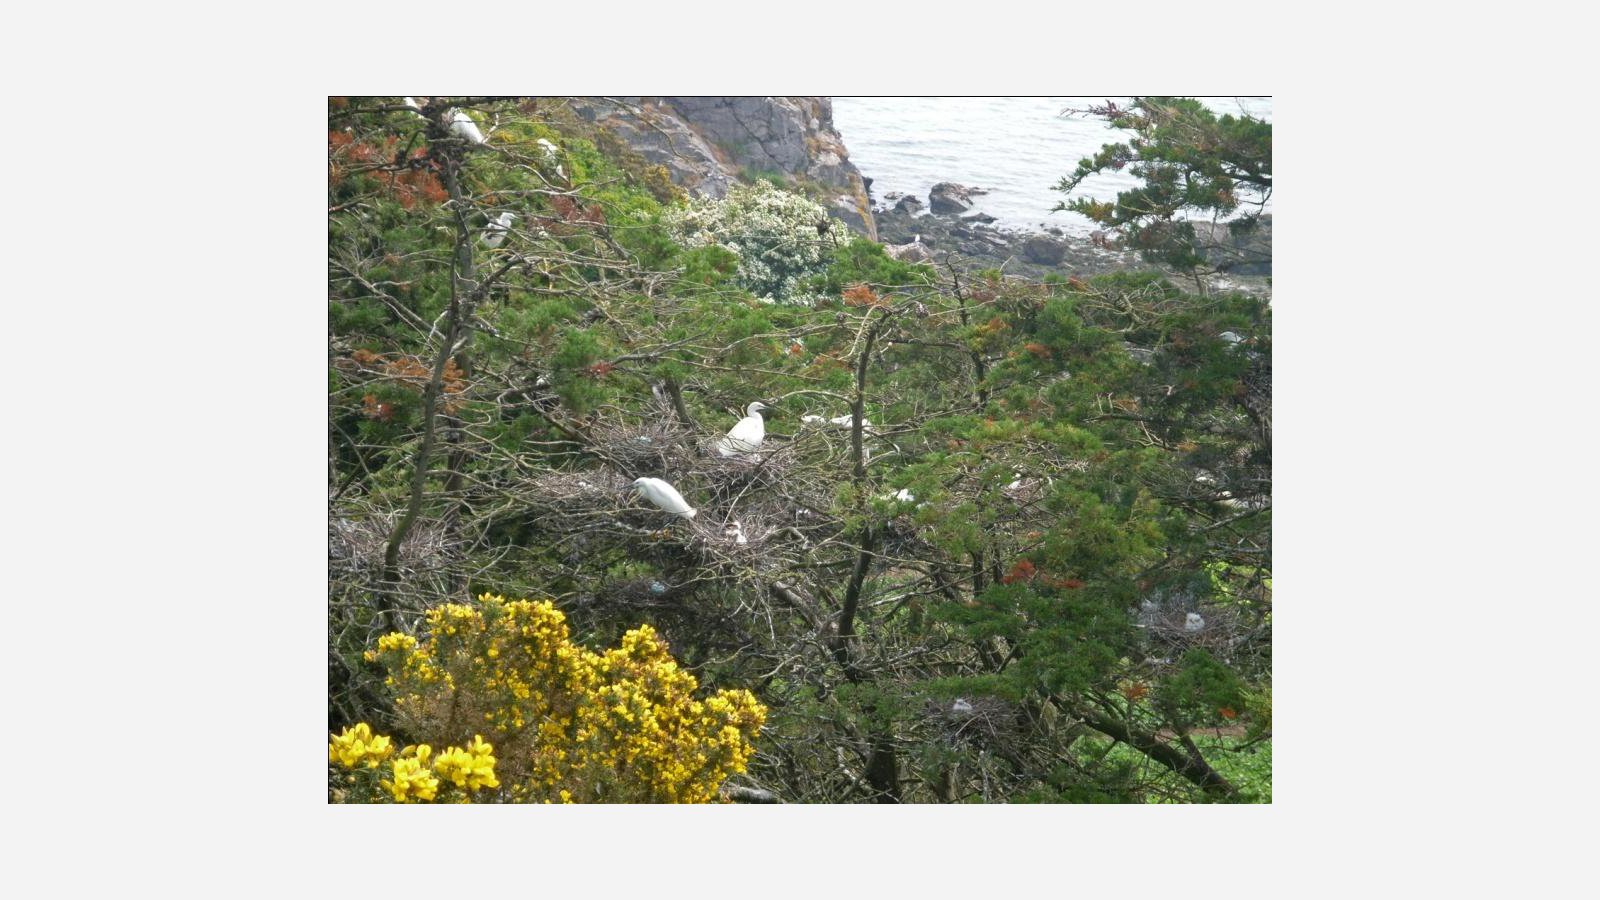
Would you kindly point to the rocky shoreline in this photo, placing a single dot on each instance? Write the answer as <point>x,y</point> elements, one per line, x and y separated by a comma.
<point>706,144</point>
<point>944,230</point>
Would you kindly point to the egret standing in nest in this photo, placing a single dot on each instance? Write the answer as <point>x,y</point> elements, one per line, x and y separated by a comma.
<point>1193,622</point>
<point>747,435</point>
<point>664,496</point>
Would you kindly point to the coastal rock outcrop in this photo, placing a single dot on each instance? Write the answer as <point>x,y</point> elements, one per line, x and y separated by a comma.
<point>949,197</point>
<point>908,204</point>
<point>709,143</point>
<point>1044,251</point>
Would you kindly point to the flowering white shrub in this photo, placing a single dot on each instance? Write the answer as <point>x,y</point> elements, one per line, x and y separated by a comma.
<point>773,232</point>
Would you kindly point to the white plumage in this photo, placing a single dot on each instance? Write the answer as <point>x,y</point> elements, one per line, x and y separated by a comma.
<point>462,126</point>
<point>495,233</point>
<point>1193,622</point>
<point>844,421</point>
<point>747,435</point>
<point>905,496</point>
<point>550,150</point>
<point>664,496</point>
<point>735,532</point>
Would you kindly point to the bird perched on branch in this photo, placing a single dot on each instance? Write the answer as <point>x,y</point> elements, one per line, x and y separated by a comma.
<point>747,435</point>
<point>495,233</point>
<point>664,496</point>
<point>462,126</point>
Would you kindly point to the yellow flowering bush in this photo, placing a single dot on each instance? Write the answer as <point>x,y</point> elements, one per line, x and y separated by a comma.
<point>415,775</point>
<point>572,725</point>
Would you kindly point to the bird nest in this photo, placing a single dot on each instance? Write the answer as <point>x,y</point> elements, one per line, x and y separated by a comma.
<point>357,543</point>
<point>973,720</point>
<point>656,447</point>
<point>743,538</point>
<point>584,493</point>
<point>635,594</point>
<point>1169,635</point>
<point>764,467</point>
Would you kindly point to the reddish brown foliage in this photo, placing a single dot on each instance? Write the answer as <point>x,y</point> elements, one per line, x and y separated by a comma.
<point>1021,570</point>
<point>861,295</point>
<point>382,412</point>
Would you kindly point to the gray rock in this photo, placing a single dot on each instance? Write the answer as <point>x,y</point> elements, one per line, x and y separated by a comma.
<point>908,204</point>
<point>1044,251</point>
<point>980,218</point>
<point>949,197</point>
<point>706,142</point>
<point>913,252</point>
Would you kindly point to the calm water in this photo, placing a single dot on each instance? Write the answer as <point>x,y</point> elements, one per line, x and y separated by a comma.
<point>1016,147</point>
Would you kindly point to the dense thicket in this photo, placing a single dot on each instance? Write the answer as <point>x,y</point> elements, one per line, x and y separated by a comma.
<point>1042,572</point>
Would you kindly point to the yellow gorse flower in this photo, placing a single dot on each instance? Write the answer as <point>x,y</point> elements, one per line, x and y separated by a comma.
<point>622,725</point>
<point>357,745</point>
<point>411,781</point>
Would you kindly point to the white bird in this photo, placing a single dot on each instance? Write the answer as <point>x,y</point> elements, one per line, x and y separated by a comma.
<point>495,233</point>
<point>1193,623</point>
<point>462,126</point>
<point>961,707</point>
<point>1230,337</point>
<point>845,421</point>
<point>905,496</point>
<point>747,435</point>
<point>412,102</point>
<point>665,496</point>
<point>734,532</point>
<point>550,150</point>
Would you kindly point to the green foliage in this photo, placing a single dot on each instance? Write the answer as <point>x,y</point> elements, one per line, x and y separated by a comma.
<point>1051,434</point>
<point>1190,161</point>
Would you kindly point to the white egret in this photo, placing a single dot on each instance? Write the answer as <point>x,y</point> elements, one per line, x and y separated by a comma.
<point>495,233</point>
<point>1230,337</point>
<point>747,435</point>
<point>905,496</point>
<point>1193,623</point>
<point>665,496</point>
<point>550,150</point>
<point>733,531</point>
<point>462,126</point>
<point>961,707</point>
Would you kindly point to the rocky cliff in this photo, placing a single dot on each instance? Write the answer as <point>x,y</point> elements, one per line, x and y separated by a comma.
<point>709,143</point>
